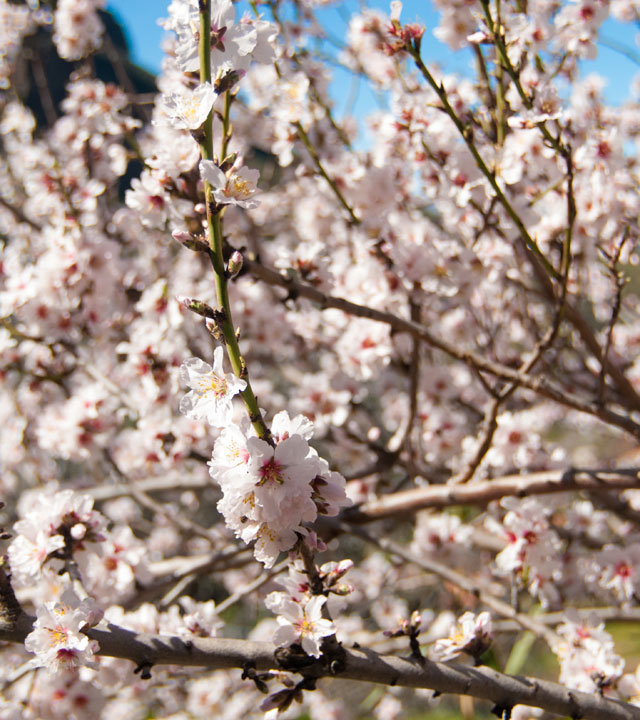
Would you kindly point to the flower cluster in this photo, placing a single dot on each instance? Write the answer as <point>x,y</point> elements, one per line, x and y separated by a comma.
<point>57,638</point>
<point>270,492</point>
<point>588,661</point>
<point>55,525</point>
<point>300,613</point>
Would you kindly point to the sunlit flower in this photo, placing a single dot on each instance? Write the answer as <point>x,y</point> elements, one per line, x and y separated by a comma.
<point>57,638</point>
<point>300,622</point>
<point>235,188</point>
<point>212,390</point>
<point>189,108</point>
<point>471,634</point>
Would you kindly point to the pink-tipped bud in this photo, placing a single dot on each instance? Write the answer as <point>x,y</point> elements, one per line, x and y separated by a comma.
<point>235,264</point>
<point>191,242</point>
<point>214,328</point>
<point>196,306</point>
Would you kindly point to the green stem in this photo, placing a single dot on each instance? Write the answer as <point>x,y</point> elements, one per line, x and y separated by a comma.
<point>500,99</point>
<point>215,233</point>
<point>555,142</point>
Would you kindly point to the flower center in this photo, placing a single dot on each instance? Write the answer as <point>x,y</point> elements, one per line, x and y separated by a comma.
<point>212,383</point>
<point>306,627</point>
<point>239,188</point>
<point>57,635</point>
<point>190,109</point>
<point>271,471</point>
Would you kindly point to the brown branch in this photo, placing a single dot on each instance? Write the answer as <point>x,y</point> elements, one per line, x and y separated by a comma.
<point>505,691</point>
<point>490,422</point>
<point>482,493</point>
<point>538,384</point>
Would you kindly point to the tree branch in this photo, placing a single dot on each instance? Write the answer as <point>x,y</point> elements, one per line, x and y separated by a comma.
<point>505,691</point>
<point>539,385</point>
<point>482,493</point>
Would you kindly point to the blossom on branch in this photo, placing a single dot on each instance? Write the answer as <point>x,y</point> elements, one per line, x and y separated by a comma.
<point>233,44</point>
<point>187,109</point>
<point>57,638</point>
<point>212,390</point>
<point>300,622</point>
<point>269,493</point>
<point>471,634</point>
<point>237,187</point>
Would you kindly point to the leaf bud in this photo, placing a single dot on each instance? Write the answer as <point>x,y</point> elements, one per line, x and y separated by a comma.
<point>227,81</point>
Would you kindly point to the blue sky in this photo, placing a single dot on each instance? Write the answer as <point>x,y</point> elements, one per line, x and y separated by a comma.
<point>140,19</point>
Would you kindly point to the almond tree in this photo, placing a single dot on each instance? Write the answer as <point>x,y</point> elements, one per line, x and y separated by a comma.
<point>281,401</point>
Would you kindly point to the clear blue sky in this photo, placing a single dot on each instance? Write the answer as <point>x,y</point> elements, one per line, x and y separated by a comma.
<point>140,19</point>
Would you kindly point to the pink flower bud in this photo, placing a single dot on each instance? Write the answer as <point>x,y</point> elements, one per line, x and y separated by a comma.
<point>78,531</point>
<point>235,264</point>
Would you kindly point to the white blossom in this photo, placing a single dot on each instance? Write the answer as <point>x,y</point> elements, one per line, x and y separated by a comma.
<point>237,187</point>
<point>57,638</point>
<point>300,622</point>
<point>212,390</point>
<point>471,634</point>
<point>187,109</point>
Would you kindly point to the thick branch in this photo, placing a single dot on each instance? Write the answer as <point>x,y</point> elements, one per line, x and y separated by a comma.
<point>481,493</point>
<point>505,691</point>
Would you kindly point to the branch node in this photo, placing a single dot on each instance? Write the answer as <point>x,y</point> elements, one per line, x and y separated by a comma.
<point>144,668</point>
<point>502,711</point>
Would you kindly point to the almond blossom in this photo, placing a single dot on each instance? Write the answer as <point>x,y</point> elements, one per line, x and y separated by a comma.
<point>187,109</point>
<point>237,187</point>
<point>270,493</point>
<point>233,43</point>
<point>586,653</point>
<point>300,622</point>
<point>57,638</point>
<point>212,390</point>
<point>471,634</point>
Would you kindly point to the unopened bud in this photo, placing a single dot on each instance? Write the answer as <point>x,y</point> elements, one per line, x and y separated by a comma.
<point>227,163</point>
<point>478,38</point>
<point>196,306</point>
<point>78,531</point>
<point>235,264</point>
<point>342,589</point>
<point>191,242</point>
<point>227,81</point>
<point>213,326</point>
<point>338,571</point>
